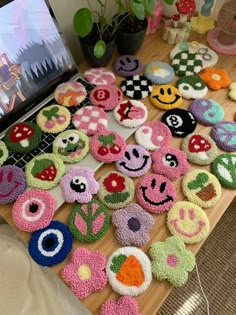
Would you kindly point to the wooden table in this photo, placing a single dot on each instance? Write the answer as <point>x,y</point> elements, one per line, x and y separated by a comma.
<point>154,48</point>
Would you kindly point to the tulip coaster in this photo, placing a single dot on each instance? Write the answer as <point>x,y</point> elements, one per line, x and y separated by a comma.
<point>224,168</point>
<point>70,93</point>
<point>192,87</point>
<point>126,305</point>
<point>3,152</point>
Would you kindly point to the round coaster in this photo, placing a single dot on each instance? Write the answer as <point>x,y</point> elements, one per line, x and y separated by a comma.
<point>98,76</point>
<point>129,271</point>
<point>89,222</point>
<point>187,63</point>
<point>179,121</point>
<point>90,120</point>
<point>133,225</point>
<point>216,79</point>
<point>50,245</point>
<point>107,146</point>
<point>135,162</point>
<point>153,135</point>
<point>201,188</point>
<point>155,193</point>
<point>33,210</point>
<point>106,96</point>
<point>166,97</point>
<point>224,168</point>
<point>127,65</point>
<point>125,305</point>
<point>12,183</point>
<point>23,137</point>
<point>232,91</point>
<point>192,87</point>
<point>159,72</point>
<point>207,111</point>
<point>116,190</point>
<point>3,152</point>
<point>79,185</point>
<point>71,146</point>
<point>44,171</point>
<point>224,134</point>
<point>170,162</point>
<point>53,119</point>
<point>130,114</point>
<point>70,93</point>
<point>136,86</point>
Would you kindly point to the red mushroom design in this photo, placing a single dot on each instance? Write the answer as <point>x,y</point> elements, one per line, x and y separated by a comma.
<point>199,145</point>
<point>21,134</point>
<point>184,8</point>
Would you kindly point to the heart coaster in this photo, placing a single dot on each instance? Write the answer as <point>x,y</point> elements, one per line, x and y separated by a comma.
<point>224,168</point>
<point>186,63</point>
<point>166,97</point>
<point>224,134</point>
<point>159,72</point>
<point>98,76</point>
<point>70,93</point>
<point>127,65</point>
<point>192,87</point>
<point>3,152</point>
<point>126,305</point>
<point>136,86</point>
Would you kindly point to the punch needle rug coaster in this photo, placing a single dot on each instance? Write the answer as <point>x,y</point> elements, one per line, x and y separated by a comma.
<point>136,86</point>
<point>224,134</point>
<point>98,76</point>
<point>216,79</point>
<point>129,271</point>
<point>3,152</point>
<point>232,91</point>
<point>192,87</point>
<point>70,93</point>
<point>106,97</point>
<point>126,305</point>
<point>127,65</point>
<point>186,63</point>
<point>159,72</point>
<point>224,168</point>
<point>166,97</point>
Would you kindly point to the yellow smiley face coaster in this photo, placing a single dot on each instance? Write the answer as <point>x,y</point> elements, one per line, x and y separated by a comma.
<point>188,221</point>
<point>166,96</point>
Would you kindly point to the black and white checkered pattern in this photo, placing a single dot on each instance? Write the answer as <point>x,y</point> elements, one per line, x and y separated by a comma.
<point>186,63</point>
<point>136,86</point>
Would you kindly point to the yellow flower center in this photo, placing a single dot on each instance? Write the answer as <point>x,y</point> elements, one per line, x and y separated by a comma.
<point>216,77</point>
<point>84,272</point>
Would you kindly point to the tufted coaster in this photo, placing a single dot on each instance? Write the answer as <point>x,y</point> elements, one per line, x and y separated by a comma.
<point>166,97</point>
<point>159,72</point>
<point>224,134</point>
<point>129,271</point>
<point>136,86</point>
<point>224,168</point>
<point>3,152</point>
<point>232,91</point>
<point>192,87</point>
<point>98,76</point>
<point>216,79</point>
<point>126,305</point>
<point>106,97</point>
<point>127,65</point>
<point>70,93</point>
<point>187,63</point>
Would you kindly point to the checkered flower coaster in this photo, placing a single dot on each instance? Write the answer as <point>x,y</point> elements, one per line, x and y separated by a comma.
<point>224,134</point>
<point>70,93</point>
<point>98,76</point>
<point>136,86</point>
<point>126,305</point>
<point>224,168</point>
<point>186,63</point>
<point>159,72</point>
<point>166,97</point>
<point>192,87</point>
<point>3,152</point>
<point>127,65</point>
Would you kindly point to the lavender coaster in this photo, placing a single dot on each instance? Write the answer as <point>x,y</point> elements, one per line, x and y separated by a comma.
<point>126,65</point>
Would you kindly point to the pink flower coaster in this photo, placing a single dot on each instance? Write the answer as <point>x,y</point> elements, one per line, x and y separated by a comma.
<point>126,305</point>
<point>106,96</point>
<point>99,76</point>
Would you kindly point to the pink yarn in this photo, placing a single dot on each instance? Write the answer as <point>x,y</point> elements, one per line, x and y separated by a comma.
<point>126,305</point>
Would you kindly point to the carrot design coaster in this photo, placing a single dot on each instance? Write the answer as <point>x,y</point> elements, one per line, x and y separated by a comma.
<point>224,134</point>
<point>126,305</point>
<point>224,168</point>
<point>129,271</point>
<point>106,97</point>
<point>70,93</point>
<point>166,97</point>
<point>3,152</point>
<point>98,76</point>
<point>126,65</point>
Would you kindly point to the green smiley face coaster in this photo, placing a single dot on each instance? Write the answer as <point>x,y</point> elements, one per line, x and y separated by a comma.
<point>224,168</point>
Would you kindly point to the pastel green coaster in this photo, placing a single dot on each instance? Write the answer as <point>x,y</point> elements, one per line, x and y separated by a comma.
<point>3,152</point>
<point>224,168</point>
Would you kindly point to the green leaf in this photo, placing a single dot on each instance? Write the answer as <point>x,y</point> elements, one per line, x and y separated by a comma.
<point>107,140</point>
<point>102,21</point>
<point>193,185</point>
<point>121,7</point>
<point>169,2</point>
<point>116,197</point>
<point>99,49</point>
<point>117,262</point>
<point>150,7</point>
<point>137,9</point>
<point>202,178</point>
<point>83,22</point>
<point>40,165</point>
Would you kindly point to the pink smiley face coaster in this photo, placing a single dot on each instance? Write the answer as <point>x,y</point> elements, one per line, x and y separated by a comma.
<point>98,76</point>
<point>106,97</point>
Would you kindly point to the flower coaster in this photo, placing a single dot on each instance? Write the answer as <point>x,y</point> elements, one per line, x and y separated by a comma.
<point>85,272</point>
<point>89,222</point>
<point>133,225</point>
<point>171,261</point>
<point>224,134</point>
<point>135,162</point>
<point>153,135</point>
<point>224,168</point>
<point>127,65</point>
<point>130,114</point>
<point>116,190</point>
<point>159,72</point>
<point>192,87</point>
<point>70,93</point>
<point>201,188</point>
<point>33,210</point>
<point>12,183</point>
<point>129,271</point>
<point>44,171</point>
<point>90,120</point>
<point>188,221</point>
<point>166,97</point>
<point>199,148</point>
<point>155,193</point>
<point>71,146</point>
<point>53,119</point>
<point>207,111</point>
<point>98,76</point>
<point>170,162</point>
<point>126,305</point>
<point>216,79</point>
<point>186,63</point>
<point>107,146</point>
<point>50,245</point>
<point>79,185</point>
<point>3,152</point>
<point>136,86</point>
<point>232,91</point>
<point>179,121</point>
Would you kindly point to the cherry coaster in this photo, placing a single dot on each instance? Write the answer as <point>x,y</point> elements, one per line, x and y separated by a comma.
<point>224,134</point>
<point>124,306</point>
<point>127,65</point>
<point>136,86</point>
<point>224,168</point>
<point>192,87</point>
<point>90,120</point>
<point>166,97</point>
<point>159,72</point>
<point>33,210</point>
<point>70,93</point>
<point>3,152</point>
<point>98,76</point>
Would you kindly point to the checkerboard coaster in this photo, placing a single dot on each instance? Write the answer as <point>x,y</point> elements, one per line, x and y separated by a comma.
<point>166,97</point>
<point>33,210</point>
<point>106,97</point>
<point>90,120</point>
<point>89,222</point>
<point>3,152</point>
<point>224,168</point>
<point>224,134</point>
<point>51,245</point>
<point>130,113</point>
<point>136,86</point>
<point>116,190</point>
<point>44,171</point>
<point>192,87</point>
<point>127,65</point>
<point>201,188</point>
<point>124,306</point>
<point>186,63</point>
<point>98,76</point>
<point>23,137</point>
<point>129,271</point>
<point>70,93</point>
<point>159,72</point>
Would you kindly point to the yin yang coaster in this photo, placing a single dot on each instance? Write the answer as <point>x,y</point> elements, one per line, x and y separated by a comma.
<point>186,63</point>
<point>224,134</point>
<point>159,72</point>
<point>224,168</point>
<point>106,97</point>
<point>179,121</point>
<point>192,87</point>
<point>127,65</point>
<point>136,86</point>
<point>3,152</point>
<point>70,93</point>
<point>98,76</point>
<point>166,97</point>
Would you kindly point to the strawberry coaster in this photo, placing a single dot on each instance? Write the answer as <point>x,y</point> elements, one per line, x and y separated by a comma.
<point>70,93</point>
<point>3,152</point>
<point>129,271</point>
<point>126,305</point>
<point>44,171</point>
<point>106,97</point>
<point>98,76</point>
<point>224,168</point>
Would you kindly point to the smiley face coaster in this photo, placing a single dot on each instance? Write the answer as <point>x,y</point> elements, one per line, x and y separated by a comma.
<point>224,134</point>
<point>155,193</point>
<point>127,65</point>
<point>3,152</point>
<point>166,97</point>
<point>98,76</point>
<point>201,188</point>
<point>224,168</point>
<point>136,86</point>
<point>70,93</point>
<point>159,72</point>
<point>192,87</point>
<point>130,113</point>
<point>186,63</point>
<point>129,271</point>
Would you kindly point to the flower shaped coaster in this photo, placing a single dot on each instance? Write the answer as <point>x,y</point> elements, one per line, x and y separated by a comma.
<point>136,86</point>
<point>127,65</point>
<point>224,168</point>
<point>171,261</point>
<point>224,134</point>
<point>70,93</point>
<point>232,91</point>
<point>187,63</point>
<point>159,72</point>
<point>129,271</point>
<point>85,272</point>
<point>106,96</point>
<point>166,96</point>
<point>98,76</point>
<point>192,87</point>
<point>126,305</point>
<point>3,152</point>
<point>216,79</point>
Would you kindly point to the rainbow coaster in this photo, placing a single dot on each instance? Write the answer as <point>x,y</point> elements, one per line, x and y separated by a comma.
<point>171,261</point>
<point>50,245</point>
<point>188,221</point>
<point>159,72</point>
<point>33,210</point>
<point>98,76</point>
<point>224,168</point>
<point>232,91</point>
<point>70,93</point>
<point>3,152</point>
<point>216,79</point>
<point>126,305</point>
<point>116,190</point>
<point>201,188</point>
<point>127,65</point>
<point>106,97</point>
<point>166,97</point>
<point>186,63</point>
<point>44,171</point>
<point>224,134</point>
<point>192,87</point>
<point>136,86</point>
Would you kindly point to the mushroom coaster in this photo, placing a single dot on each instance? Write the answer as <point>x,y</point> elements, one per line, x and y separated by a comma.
<point>166,97</point>
<point>159,72</point>
<point>186,63</point>
<point>216,79</point>
<point>23,137</point>
<point>70,93</point>
<point>171,261</point>
<point>3,152</point>
<point>129,271</point>
<point>127,65</point>
<point>201,188</point>
<point>199,148</point>
<point>192,87</point>
<point>224,134</point>
<point>98,76</point>
<point>126,305</point>
<point>188,221</point>
<point>224,168</point>
<point>136,86</point>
